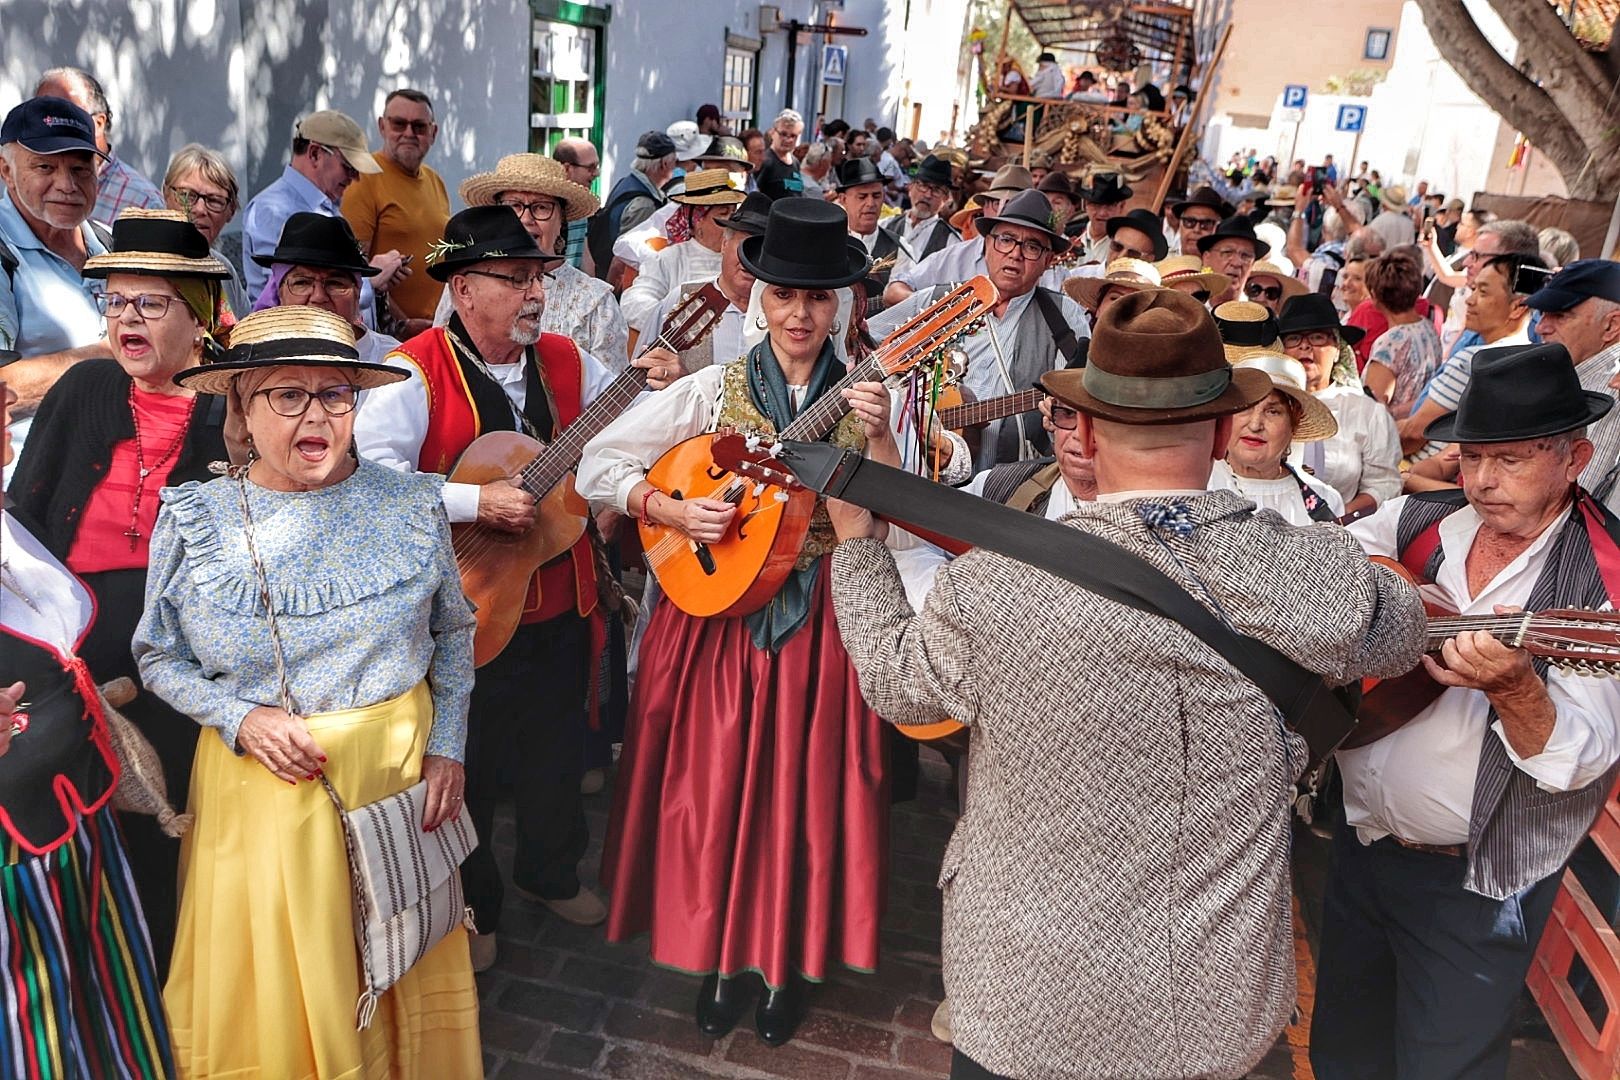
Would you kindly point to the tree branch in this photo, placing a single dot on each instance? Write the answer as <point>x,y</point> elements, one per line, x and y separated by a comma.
<point>1515,98</point>
<point>1571,76</point>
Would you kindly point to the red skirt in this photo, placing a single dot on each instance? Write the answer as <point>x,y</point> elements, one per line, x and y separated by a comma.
<point>751,817</point>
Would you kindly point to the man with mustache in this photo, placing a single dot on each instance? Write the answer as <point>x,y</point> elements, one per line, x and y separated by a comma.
<point>492,369</point>
<point>921,231</point>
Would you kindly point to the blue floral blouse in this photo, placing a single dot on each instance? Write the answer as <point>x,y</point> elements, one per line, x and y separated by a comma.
<point>366,592</point>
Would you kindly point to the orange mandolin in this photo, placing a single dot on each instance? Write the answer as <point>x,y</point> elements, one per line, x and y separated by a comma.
<point>496,566</point>
<point>747,567</point>
<point>1585,642</point>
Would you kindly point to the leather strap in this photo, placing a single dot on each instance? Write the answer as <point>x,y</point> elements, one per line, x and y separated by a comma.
<point>1062,333</point>
<point>1079,558</point>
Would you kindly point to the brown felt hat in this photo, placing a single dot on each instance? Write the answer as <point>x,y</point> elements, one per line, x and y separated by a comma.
<point>1156,358</point>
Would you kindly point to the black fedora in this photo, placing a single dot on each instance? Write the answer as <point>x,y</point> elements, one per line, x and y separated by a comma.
<point>1144,221</point>
<point>1205,196</point>
<point>1239,227</point>
<point>1315,311</point>
<point>1031,210</point>
<point>751,216</point>
<point>934,170</point>
<point>1105,188</point>
<point>857,171</point>
<point>806,245</point>
<point>1520,392</point>
<point>478,234</point>
<point>324,240</point>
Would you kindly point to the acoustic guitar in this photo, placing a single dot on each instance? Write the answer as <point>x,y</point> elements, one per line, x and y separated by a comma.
<point>1583,642</point>
<point>740,574</point>
<point>496,566</point>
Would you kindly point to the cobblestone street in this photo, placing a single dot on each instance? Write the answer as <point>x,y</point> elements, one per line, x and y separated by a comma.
<point>562,1003</point>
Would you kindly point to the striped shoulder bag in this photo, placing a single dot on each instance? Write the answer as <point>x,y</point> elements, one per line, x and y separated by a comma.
<point>406,883</point>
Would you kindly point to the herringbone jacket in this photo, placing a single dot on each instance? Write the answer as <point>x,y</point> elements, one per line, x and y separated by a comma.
<point>1117,891</point>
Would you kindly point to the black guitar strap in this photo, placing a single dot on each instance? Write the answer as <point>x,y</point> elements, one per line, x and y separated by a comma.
<point>1084,560</point>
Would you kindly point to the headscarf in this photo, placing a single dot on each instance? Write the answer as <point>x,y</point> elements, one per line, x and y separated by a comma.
<point>205,299</point>
<point>271,295</point>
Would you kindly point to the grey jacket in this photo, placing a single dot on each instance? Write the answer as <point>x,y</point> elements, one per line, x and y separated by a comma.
<point>1116,895</point>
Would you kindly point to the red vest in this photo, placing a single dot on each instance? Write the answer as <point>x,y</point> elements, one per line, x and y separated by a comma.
<point>564,583</point>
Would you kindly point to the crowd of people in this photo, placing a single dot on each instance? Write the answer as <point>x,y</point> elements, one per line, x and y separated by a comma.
<point>247,490</point>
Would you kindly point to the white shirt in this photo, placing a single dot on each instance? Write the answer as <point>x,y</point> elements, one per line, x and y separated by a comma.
<point>956,263</point>
<point>665,271</point>
<point>1418,782</point>
<point>65,607</point>
<point>726,338</point>
<point>867,239</point>
<point>914,236</point>
<point>632,244</point>
<point>1364,456</point>
<point>1281,495</point>
<point>1047,82</point>
<point>580,308</point>
<point>389,429</point>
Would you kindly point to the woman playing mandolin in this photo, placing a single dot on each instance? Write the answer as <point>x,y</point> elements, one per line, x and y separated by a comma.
<point>749,829</point>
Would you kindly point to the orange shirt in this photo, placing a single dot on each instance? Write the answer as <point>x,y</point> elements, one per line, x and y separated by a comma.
<point>394,211</point>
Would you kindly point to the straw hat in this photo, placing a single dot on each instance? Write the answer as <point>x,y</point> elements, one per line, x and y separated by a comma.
<point>534,174</point>
<point>1291,285</point>
<point>1247,329</point>
<point>962,220</point>
<point>156,243</point>
<point>293,336</point>
<point>1181,269</point>
<point>710,187</point>
<point>1288,377</point>
<point>1133,275</point>
<point>1283,195</point>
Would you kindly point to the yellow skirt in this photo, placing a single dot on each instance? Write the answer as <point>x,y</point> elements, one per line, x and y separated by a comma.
<point>266,972</point>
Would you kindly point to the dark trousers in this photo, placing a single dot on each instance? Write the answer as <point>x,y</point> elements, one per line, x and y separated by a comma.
<point>526,739</point>
<point>1417,977</point>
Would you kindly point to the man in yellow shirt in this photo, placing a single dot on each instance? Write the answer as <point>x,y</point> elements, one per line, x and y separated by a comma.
<point>405,206</point>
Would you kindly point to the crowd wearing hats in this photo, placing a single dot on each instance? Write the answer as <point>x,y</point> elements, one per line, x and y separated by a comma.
<point>1211,394</point>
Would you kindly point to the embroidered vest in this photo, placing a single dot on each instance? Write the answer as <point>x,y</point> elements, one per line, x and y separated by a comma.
<point>462,405</point>
<point>737,411</point>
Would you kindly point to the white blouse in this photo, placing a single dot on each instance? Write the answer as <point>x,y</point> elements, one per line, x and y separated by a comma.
<point>1365,456</point>
<point>1281,495</point>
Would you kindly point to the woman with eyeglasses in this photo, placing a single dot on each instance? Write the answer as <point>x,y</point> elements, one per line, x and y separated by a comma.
<point>201,185</point>
<point>306,613</point>
<point>1363,461</point>
<point>108,436</point>
<point>318,262</point>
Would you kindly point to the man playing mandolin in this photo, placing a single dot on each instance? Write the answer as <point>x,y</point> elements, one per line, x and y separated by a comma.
<point>492,370</point>
<point>1460,816</point>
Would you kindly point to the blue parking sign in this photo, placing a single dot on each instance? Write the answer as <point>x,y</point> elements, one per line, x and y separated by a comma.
<point>1294,97</point>
<point>1352,117</point>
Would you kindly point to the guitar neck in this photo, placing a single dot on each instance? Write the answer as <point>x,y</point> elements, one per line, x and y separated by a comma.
<point>542,474</point>
<point>973,413</point>
<point>1504,628</point>
<point>818,421</point>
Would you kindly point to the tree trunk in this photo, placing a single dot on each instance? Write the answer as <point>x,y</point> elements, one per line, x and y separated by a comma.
<point>1570,120</point>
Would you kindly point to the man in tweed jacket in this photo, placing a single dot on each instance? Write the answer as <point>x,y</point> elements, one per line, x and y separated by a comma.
<point>1117,891</point>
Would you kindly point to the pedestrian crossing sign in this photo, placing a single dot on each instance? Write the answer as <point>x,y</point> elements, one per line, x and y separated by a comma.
<point>834,59</point>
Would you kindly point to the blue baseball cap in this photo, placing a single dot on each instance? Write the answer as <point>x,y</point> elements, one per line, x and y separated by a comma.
<point>1580,280</point>
<point>50,125</point>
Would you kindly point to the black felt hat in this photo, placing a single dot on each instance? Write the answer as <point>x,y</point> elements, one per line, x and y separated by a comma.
<point>478,234</point>
<point>1106,188</point>
<point>806,245</point>
<point>856,171</point>
<point>751,216</point>
<point>156,243</point>
<point>323,240</point>
<point>1315,311</point>
<point>934,170</point>
<point>1031,210</point>
<point>1204,196</point>
<point>1145,221</point>
<point>1239,227</point>
<point>1520,392</point>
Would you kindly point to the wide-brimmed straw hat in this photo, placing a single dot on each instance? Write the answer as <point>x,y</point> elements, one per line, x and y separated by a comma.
<point>1133,275</point>
<point>534,174</point>
<point>806,245</point>
<point>293,336</point>
<point>1156,358</point>
<point>156,243</point>
<point>1181,269</point>
<point>1291,285</point>
<point>710,187</point>
<point>1519,392</point>
<point>1287,376</point>
<point>1246,329</point>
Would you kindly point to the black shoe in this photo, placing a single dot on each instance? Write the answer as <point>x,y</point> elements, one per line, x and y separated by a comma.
<point>720,1005</point>
<point>777,1017</point>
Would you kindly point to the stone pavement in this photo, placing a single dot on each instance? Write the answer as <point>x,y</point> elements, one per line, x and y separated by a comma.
<point>562,1003</point>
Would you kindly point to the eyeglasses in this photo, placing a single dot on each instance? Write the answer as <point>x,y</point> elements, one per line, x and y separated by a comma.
<point>1199,224</point>
<point>348,170</point>
<point>1064,417</point>
<point>1316,339</point>
<point>399,125</point>
<point>217,203</point>
<point>1243,253</point>
<point>1254,291</point>
<point>544,210</point>
<point>294,400</point>
<point>1117,250</point>
<point>589,168</point>
<point>147,305</point>
<point>1007,243</point>
<point>517,282</point>
<point>301,288</point>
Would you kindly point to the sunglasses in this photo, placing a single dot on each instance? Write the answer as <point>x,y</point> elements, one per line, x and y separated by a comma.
<point>1199,224</point>
<point>1254,291</point>
<point>399,125</point>
<point>1117,250</point>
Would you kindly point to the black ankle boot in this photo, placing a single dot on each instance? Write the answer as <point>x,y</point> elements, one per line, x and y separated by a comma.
<point>777,1017</point>
<point>720,1005</point>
